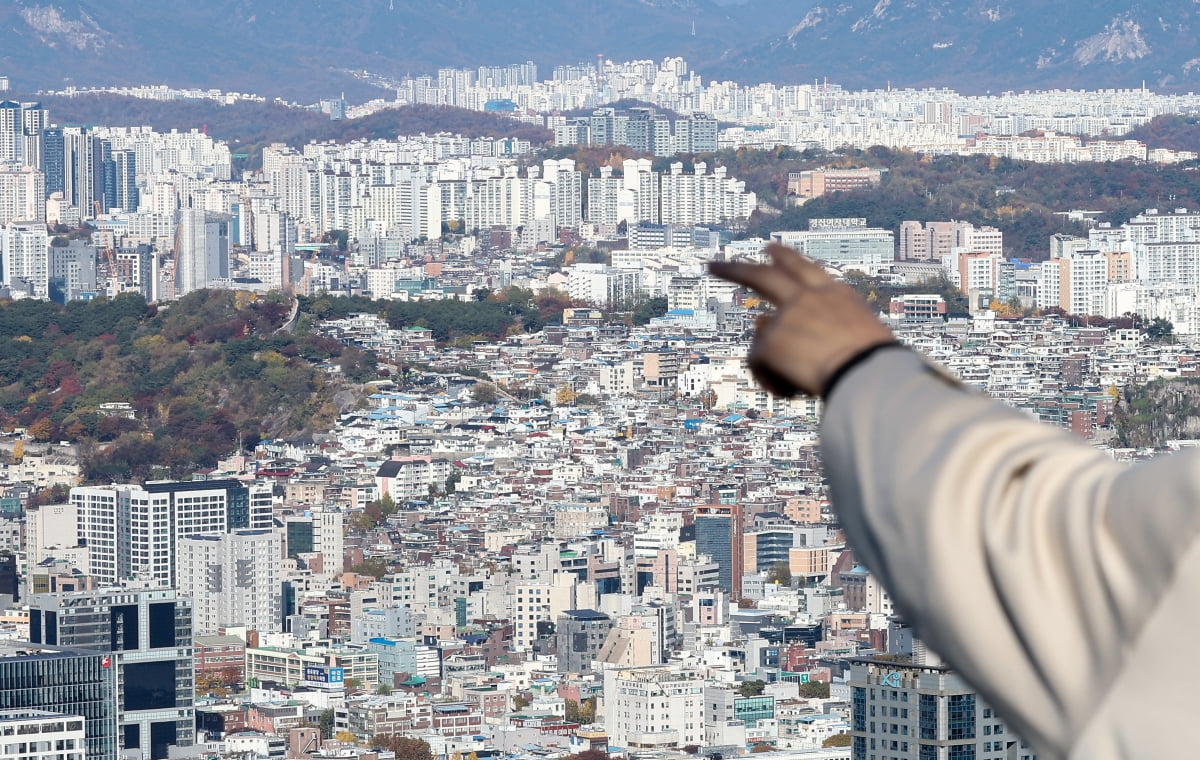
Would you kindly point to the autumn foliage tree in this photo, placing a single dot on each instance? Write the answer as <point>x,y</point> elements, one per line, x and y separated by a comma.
<point>405,747</point>
<point>203,378</point>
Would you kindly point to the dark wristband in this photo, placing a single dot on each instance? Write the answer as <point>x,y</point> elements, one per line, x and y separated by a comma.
<point>853,362</point>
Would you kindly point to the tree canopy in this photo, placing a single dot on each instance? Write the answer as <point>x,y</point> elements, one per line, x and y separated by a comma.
<point>203,378</point>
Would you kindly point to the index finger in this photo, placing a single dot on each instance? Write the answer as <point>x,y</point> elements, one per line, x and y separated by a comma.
<point>796,264</point>
<point>768,280</point>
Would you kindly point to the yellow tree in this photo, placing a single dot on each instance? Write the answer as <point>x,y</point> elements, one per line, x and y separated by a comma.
<point>40,430</point>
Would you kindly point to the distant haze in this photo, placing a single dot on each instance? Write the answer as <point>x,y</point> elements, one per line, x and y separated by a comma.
<point>269,46</point>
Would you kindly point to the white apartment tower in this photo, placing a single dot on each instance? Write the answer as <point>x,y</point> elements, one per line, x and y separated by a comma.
<point>22,194</point>
<point>132,531</point>
<point>233,579</point>
<point>21,126</point>
<point>201,250</point>
<point>25,258</point>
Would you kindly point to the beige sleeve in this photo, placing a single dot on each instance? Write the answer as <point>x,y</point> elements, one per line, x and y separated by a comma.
<point>1023,556</point>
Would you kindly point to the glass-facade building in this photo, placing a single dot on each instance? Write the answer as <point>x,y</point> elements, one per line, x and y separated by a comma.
<point>714,537</point>
<point>63,680</point>
<point>903,711</point>
<point>147,637</point>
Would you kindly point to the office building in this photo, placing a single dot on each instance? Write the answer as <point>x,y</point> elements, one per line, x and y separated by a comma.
<point>719,535</point>
<point>936,241</point>
<point>580,634</point>
<point>658,707</point>
<point>137,269</point>
<point>72,271</point>
<point>904,711</point>
<point>131,531</point>
<point>201,250</point>
<point>317,531</point>
<point>146,637</point>
<point>767,547</point>
<point>844,243</point>
<point>40,734</point>
<point>805,185</point>
<point>233,579</point>
<point>67,681</point>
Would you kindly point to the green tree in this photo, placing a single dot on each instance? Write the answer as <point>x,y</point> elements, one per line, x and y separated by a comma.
<point>376,567</point>
<point>814,690</point>
<point>1161,330</point>
<point>581,713</point>
<point>751,688</point>
<point>837,740</point>
<point>780,573</point>
<point>325,724</point>
<point>484,393</point>
<point>649,309</point>
<point>406,748</point>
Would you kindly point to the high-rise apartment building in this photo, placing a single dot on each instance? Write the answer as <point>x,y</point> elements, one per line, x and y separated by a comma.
<point>83,171</point>
<point>201,250</point>
<point>146,637</point>
<point>21,126</point>
<point>642,129</point>
<point>132,531</point>
<point>78,684</point>
<point>22,194</point>
<point>25,258</point>
<point>52,159</point>
<point>233,579</point>
<point>1077,283</point>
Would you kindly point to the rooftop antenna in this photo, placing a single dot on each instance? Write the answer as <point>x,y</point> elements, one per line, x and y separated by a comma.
<point>391,5</point>
<point>693,27</point>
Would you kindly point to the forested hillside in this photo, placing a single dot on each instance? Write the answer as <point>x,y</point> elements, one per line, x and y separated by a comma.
<point>248,127</point>
<point>1023,200</point>
<point>488,316</point>
<point>1157,412</point>
<point>205,376</point>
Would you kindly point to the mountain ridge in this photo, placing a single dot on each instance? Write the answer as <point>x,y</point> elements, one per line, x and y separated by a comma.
<point>304,51</point>
<point>974,45</point>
